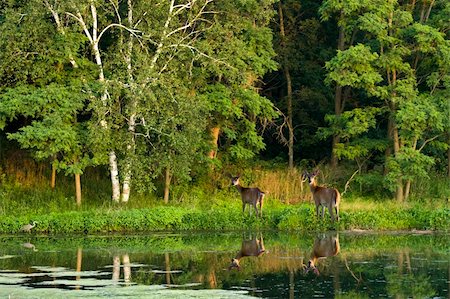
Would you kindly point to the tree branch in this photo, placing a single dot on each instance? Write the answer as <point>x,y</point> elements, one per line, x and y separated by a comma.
<point>132,31</point>
<point>194,49</point>
<point>79,18</point>
<point>347,184</point>
<point>427,141</point>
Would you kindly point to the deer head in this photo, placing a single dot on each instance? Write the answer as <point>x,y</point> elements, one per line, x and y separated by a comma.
<point>234,264</point>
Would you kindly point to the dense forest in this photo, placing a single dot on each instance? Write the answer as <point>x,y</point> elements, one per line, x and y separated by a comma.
<point>149,95</point>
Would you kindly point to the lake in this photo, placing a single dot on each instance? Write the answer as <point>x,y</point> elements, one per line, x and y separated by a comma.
<point>226,265</point>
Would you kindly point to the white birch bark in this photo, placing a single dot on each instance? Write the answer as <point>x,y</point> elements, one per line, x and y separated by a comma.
<point>116,269</point>
<point>126,189</point>
<point>126,269</point>
<point>60,28</point>
<point>94,39</point>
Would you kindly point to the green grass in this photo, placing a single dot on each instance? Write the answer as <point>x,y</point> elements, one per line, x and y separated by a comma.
<point>227,215</point>
<point>201,209</point>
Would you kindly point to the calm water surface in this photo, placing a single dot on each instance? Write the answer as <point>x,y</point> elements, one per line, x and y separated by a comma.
<point>226,265</point>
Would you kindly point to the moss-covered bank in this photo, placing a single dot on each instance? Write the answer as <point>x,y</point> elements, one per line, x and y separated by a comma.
<point>161,218</point>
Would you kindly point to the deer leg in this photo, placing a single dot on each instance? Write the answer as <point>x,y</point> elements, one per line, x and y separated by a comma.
<point>243,208</point>
<point>256,208</point>
<point>330,210</point>
<point>323,211</point>
<point>261,204</point>
<point>317,210</point>
<point>336,208</point>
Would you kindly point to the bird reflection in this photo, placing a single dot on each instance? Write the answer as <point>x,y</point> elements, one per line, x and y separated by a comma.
<point>29,245</point>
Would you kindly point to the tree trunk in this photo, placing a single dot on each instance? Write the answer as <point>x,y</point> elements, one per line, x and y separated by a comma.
<point>116,268</point>
<point>287,75</point>
<point>79,258</point>
<point>167,261</point>
<point>114,176</point>
<point>78,189</point>
<point>407,189</point>
<point>132,119</point>
<point>336,281</point>
<point>399,195</point>
<point>168,178</point>
<point>79,262</point>
<point>126,268</point>
<point>94,40</point>
<point>448,155</point>
<point>126,189</point>
<point>338,100</point>
<point>53,179</point>
<point>290,126</point>
<point>291,284</point>
<point>388,151</point>
<point>215,132</point>
<point>212,279</point>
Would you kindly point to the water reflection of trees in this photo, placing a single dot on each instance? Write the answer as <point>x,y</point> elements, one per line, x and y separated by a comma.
<point>404,282</point>
<point>366,265</point>
<point>116,268</point>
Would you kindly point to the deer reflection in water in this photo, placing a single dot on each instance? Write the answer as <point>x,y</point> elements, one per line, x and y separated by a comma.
<point>252,247</point>
<point>325,246</point>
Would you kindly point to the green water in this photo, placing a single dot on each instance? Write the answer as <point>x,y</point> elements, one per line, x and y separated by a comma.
<point>197,265</point>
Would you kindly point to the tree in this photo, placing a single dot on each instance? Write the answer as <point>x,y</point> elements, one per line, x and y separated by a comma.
<point>346,13</point>
<point>302,51</point>
<point>386,67</point>
<point>39,86</point>
<point>287,75</point>
<point>229,84</point>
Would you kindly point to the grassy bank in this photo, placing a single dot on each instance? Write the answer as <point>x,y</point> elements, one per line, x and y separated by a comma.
<point>381,216</point>
<point>211,205</point>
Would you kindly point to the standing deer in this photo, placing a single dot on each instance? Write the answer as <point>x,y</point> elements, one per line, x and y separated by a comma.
<point>251,196</point>
<point>253,247</point>
<point>324,247</point>
<point>323,196</point>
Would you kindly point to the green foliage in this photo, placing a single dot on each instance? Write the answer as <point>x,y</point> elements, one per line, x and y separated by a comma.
<point>397,57</point>
<point>354,67</point>
<point>408,164</point>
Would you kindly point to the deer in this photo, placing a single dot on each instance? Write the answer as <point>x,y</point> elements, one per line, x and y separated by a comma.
<point>324,247</point>
<point>323,196</point>
<point>253,247</point>
<point>250,196</point>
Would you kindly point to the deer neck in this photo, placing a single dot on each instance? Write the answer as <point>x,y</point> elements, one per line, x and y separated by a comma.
<point>238,256</point>
<point>239,187</point>
<point>313,186</point>
<point>313,260</point>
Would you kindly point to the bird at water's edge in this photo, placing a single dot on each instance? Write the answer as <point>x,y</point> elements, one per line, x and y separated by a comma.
<point>28,227</point>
